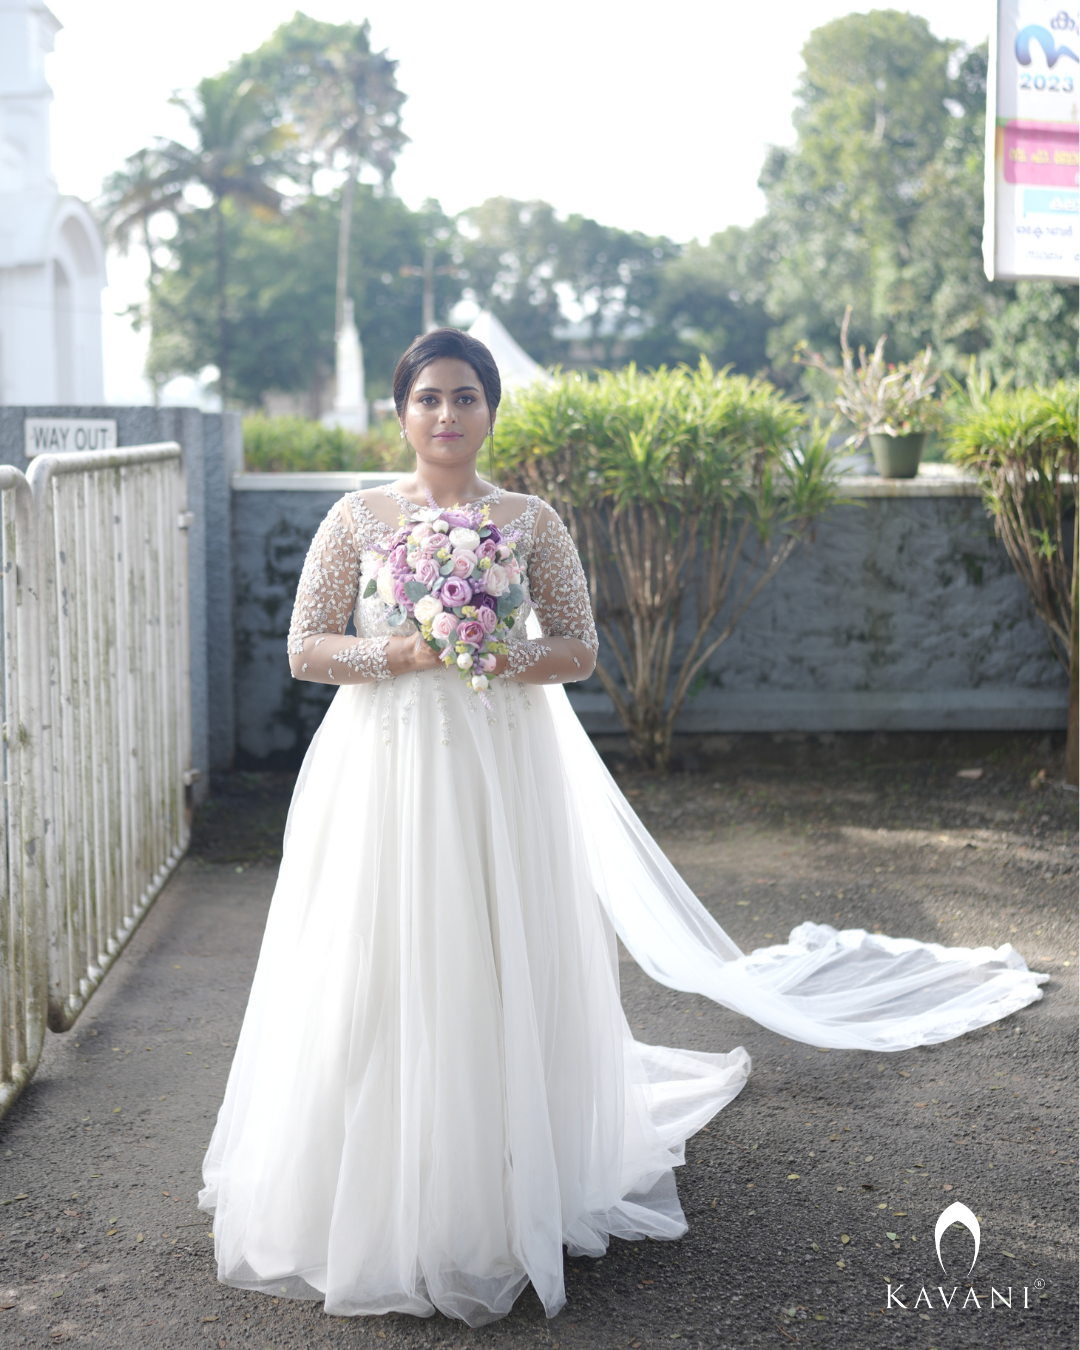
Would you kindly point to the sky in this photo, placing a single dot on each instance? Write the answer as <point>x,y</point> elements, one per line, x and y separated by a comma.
<point>649,117</point>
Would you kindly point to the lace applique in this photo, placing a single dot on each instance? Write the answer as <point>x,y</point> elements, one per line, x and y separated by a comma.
<point>558,593</point>
<point>367,658</point>
<point>326,598</point>
<point>522,655</point>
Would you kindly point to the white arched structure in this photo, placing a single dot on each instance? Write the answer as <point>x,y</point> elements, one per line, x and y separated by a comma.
<point>52,264</point>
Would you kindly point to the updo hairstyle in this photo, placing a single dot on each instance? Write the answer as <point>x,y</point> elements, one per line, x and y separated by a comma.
<point>459,346</point>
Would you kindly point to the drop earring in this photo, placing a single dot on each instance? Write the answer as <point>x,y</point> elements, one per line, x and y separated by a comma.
<point>491,454</point>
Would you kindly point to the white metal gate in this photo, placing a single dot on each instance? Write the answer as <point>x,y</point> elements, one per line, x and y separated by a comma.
<point>95,696</point>
<point>23,983</point>
<point>112,560</point>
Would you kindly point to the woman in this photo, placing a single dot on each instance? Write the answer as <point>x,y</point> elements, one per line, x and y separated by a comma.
<point>435,1088</point>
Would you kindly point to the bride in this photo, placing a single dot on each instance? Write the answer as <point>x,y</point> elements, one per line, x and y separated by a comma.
<point>435,1088</point>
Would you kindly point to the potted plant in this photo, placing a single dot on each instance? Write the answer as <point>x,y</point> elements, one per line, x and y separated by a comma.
<point>891,405</point>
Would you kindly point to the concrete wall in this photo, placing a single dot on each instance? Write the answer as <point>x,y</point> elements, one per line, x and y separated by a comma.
<point>213,452</point>
<point>904,614</point>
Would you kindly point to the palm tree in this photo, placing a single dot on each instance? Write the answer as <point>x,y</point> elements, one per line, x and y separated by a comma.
<point>345,104</point>
<point>239,148</point>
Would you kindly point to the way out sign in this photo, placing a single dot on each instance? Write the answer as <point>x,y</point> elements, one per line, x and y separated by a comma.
<point>59,435</point>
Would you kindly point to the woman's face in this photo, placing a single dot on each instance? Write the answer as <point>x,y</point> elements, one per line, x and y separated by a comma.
<point>446,417</point>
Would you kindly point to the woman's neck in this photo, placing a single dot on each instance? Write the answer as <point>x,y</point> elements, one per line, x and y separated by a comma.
<point>448,488</point>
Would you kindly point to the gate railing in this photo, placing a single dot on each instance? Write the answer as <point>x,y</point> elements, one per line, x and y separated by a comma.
<point>98,667</point>
<point>23,964</point>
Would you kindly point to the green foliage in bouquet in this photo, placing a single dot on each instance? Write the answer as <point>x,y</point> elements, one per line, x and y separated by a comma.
<point>300,445</point>
<point>680,487</point>
<point>875,396</point>
<point>1022,444</point>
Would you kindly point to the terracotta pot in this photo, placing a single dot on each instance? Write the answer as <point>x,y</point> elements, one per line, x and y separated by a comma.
<point>898,456</point>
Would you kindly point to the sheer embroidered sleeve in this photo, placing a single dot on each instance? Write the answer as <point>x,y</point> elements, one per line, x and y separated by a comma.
<point>319,648</point>
<point>560,597</point>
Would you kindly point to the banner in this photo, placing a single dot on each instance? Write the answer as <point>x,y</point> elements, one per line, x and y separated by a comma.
<point>1032,224</point>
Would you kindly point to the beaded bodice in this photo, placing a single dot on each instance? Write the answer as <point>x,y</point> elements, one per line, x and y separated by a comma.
<point>342,559</point>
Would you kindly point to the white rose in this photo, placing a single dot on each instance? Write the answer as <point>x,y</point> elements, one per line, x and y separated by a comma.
<point>384,586</point>
<point>439,526</point>
<point>479,682</point>
<point>463,538</point>
<point>464,661</point>
<point>496,582</point>
<point>426,608</point>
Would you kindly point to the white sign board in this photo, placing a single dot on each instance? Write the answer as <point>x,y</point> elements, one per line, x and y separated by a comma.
<point>58,435</point>
<point>1032,224</point>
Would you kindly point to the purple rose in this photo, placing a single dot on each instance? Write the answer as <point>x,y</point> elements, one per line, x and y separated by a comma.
<point>427,572</point>
<point>399,557</point>
<point>486,602</point>
<point>471,632</point>
<point>487,550</point>
<point>488,619</point>
<point>457,520</point>
<point>400,596</point>
<point>494,533</point>
<point>455,592</point>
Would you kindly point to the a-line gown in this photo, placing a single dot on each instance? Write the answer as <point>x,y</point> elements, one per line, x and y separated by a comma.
<point>435,1089</point>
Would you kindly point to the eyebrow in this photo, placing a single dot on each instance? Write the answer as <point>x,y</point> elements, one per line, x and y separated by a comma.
<point>431,389</point>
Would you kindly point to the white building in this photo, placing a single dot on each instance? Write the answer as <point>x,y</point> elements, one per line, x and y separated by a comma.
<point>52,263</point>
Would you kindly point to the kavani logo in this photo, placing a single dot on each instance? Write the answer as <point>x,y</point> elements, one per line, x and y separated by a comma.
<point>957,1213</point>
<point>997,1298</point>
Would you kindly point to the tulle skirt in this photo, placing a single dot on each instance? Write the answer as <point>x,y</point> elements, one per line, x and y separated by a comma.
<point>435,1088</point>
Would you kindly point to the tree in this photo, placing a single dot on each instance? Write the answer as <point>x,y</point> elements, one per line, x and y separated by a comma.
<point>281,292</point>
<point>709,300</point>
<point>570,291</point>
<point>239,150</point>
<point>879,205</point>
<point>343,100</point>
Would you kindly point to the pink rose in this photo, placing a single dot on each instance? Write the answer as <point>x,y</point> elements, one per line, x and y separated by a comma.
<point>489,663</point>
<point>487,550</point>
<point>399,594</point>
<point>471,631</point>
<point>464,560</point>
<point>513,571</point>
<point>432,543</point>
<point>399,557</point>
<point>455,592</point>
<point>443,625</point>
<point>496,581</point>
<point>488,620</point>
<point>422,531</point>
<point>504,550</point>
<point>427,572</point>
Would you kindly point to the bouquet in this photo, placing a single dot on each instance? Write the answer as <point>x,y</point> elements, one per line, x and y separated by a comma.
<point>455,578</point>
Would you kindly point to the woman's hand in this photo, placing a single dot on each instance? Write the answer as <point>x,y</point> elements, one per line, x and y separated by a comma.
<point>410,653</point>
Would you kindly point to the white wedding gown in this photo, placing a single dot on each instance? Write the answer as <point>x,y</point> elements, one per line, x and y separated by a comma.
<point>435,1088</point>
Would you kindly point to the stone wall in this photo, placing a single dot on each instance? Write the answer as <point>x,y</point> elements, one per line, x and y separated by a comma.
<point>903,614</point>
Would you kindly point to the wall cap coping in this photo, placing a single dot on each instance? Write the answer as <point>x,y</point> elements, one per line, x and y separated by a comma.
<point>932,480</point>
<point>309,482</point>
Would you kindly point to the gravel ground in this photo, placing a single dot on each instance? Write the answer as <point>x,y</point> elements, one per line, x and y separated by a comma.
<point>821,1183</point>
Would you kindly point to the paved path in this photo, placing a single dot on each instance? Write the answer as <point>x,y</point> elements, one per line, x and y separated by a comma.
<point>793,1193</point>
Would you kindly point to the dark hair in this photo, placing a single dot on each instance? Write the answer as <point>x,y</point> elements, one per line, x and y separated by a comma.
<point>459,346</point>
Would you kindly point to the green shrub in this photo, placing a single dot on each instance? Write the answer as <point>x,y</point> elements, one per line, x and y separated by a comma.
<point>679,486</point>
<point>300,445</point>
<point>1022,444</point>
